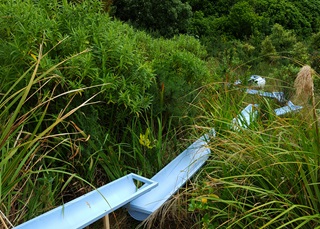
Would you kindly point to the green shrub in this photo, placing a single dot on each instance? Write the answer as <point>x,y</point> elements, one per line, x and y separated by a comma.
<point>315,51</point>
<point>180,76</point>
<point>167,18</point>
<point>243,20</point>
<point>282,39</point>
<point>283,43</point>
<point>267,49</point>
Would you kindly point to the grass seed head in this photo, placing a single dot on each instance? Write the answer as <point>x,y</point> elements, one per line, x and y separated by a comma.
<point>303,85</point>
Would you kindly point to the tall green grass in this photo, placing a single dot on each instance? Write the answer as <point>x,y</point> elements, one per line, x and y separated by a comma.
<point>266,176</point>
<point>34,169</point>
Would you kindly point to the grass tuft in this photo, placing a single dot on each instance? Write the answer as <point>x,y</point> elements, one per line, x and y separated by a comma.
<point>303,85</point>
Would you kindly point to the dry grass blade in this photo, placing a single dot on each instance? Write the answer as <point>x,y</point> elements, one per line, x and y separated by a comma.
<point>3,218</point>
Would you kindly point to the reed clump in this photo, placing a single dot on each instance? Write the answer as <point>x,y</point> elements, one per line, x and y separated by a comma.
<point>304,92</point>
<point>303,85</point>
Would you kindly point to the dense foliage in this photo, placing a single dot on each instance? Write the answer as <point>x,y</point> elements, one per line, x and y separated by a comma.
<point>84,95</point>
<point>300,16</point>
<point>165,17</point>
<point>82,55</point>
<point>223,25</point>
<point>239,19</point>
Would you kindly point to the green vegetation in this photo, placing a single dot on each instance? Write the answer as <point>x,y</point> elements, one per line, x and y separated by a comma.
<point>166,18</point>
<point>263,177</point>
<point>86,98</point>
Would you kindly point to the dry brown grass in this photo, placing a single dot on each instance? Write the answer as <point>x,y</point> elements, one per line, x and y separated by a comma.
<point>172,214</point>
<point>303,84</point>
<point>4,222</point>
<point>304,87</point>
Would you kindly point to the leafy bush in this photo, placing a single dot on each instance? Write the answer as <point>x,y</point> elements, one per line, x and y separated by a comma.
<point>285,13</point>
<point>243,20</point>
<point>267,48</point>
<point>125,63</point>
<point>315,51</point>
<point>168,18</point>
<point>282,39</point>
<point>180,75</point>
<point>283,43</point>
